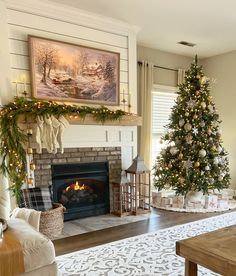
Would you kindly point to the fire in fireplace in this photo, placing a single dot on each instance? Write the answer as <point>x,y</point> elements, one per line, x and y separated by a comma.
<point>83,188</point>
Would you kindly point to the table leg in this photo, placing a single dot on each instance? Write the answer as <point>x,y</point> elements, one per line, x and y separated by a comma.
<point>190,268</point>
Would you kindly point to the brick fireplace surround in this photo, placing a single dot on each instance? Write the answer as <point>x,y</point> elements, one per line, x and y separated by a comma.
<point>44,161</point>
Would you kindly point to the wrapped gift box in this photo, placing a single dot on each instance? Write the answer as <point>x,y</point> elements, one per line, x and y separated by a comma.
<point>223,196</point>
<point>211,201</point>
<point>223,204</point>
<point>178,202</point>
<point>194,205</point>
<point>166,202</point>
<point>156,198</point>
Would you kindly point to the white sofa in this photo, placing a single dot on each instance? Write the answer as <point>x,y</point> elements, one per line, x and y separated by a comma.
<point>38,250</point>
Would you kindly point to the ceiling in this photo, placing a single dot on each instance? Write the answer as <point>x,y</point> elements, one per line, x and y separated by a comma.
<point>208,23</point>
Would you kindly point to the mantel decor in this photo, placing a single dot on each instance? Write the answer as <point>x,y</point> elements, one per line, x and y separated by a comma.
<point>14,139</point>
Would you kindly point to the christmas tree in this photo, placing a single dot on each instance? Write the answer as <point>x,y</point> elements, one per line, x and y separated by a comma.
<point>193,158</point>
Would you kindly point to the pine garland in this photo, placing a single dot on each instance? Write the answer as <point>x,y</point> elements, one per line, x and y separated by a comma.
<point>13,139</point>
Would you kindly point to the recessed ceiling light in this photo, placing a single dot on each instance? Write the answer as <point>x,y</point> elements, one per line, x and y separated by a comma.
<point>185,43</point>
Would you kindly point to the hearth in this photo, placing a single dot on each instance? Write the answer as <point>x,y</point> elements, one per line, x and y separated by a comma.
<point>83,188</point>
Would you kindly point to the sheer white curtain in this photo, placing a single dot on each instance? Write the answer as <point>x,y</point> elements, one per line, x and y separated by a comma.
<point>146,85</point>
<point>181,75</point>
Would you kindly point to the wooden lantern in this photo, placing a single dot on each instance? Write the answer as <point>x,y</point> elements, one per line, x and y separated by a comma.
<point>140,180</point>
<point>122,195</point>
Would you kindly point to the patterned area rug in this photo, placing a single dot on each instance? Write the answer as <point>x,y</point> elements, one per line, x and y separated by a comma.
<point>145,255</point>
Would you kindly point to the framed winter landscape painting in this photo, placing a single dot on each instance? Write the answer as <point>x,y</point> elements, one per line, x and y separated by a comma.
<point>67,72</point>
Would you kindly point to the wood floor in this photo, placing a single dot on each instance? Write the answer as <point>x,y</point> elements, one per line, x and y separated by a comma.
<point>165,219</point>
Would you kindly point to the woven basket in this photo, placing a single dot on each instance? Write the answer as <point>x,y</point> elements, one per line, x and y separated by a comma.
<point>52,221</point>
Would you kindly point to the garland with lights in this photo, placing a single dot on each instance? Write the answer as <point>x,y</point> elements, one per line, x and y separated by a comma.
<point>13,138</point>
<point>193,158</point>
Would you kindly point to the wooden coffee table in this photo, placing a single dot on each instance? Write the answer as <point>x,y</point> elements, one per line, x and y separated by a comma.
<point>214,250</point>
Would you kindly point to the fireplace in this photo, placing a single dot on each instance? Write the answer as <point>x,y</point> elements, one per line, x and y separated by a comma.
<point>83,188</point>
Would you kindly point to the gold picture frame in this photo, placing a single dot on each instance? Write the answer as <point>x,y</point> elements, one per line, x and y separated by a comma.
<point>67,72</point>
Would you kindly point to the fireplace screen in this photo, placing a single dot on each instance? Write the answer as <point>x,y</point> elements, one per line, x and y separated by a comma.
<point>82,188</point>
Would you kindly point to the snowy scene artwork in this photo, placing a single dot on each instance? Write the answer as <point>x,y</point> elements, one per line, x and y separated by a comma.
<point>74,73</point>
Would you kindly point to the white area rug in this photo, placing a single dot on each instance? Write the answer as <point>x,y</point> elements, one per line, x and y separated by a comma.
<point>151,254</point>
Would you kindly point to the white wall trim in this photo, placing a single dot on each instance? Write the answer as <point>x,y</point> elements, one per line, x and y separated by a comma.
<point>71,15</point>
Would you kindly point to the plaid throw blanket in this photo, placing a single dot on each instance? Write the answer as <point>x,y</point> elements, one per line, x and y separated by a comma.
<point>36,198</point>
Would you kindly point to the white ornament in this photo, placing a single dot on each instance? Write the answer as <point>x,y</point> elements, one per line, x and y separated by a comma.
<point>216,161</point>
<point>211,180</point>
<point>173,150</point>
<point>186,114</point>
<point>202,153</point>
<point>188,164</point>
<point>220,178</point>
<point>191,103</point>
<point>181,122</point>
<point>187,127</point>
<point>203,105</point>
<point>202,124</point>
<point>195,130</point>
<point>211,109</point>
<point>207,168</point>
<point>222,161</point>
<point>219,149</point>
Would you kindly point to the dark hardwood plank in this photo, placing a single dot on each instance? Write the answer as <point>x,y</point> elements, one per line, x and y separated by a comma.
<point>166,219</point>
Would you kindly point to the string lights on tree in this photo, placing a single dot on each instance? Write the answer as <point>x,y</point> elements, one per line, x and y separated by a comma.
<point>193,158</point>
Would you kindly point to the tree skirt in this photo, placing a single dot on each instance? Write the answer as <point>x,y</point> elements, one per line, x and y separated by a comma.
<point>197,210</point>
<point>150,254</point>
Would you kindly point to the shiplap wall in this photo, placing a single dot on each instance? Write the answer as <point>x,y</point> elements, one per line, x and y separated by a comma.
<point>31,17</point>
<point>22,24</point>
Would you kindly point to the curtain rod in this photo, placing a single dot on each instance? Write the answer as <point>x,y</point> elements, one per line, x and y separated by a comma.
<point>160,67</point>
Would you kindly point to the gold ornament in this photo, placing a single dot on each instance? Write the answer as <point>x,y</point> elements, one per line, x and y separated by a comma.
<point>209,98</point>
<point>170,166</point>
<point>197,92</point>
<point>213,148</point>
<point>209,131</point>
<point>32,166</point>
<point>30,181</point>
<point>180,156</point>
<point>196,164</point>
<point>195,116</point>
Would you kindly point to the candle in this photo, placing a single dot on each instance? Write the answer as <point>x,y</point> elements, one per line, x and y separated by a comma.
<point>129,101</point>
<point>24,80</point>
<point>16,89</point>
<point>129,98</point>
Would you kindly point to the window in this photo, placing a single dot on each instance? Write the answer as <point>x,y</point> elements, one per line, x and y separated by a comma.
<point>163,99</point>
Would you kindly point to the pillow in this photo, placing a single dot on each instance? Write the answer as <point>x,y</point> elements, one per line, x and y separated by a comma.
<point>38,198</point>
